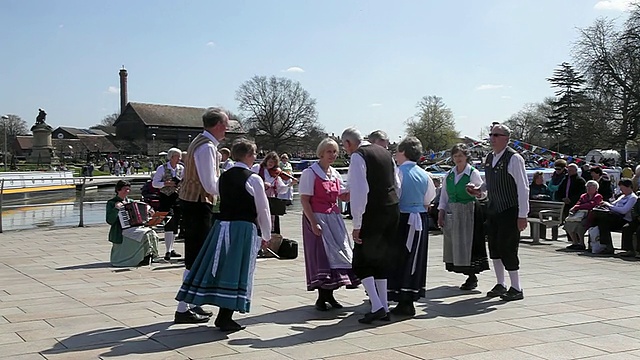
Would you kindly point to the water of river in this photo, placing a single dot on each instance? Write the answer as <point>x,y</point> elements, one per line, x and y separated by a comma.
<point>68,212</point>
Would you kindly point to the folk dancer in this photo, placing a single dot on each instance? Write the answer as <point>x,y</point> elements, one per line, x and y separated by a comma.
<point>222,274</point>
<point>135,246</point>
<point>508,192</point>
<point>274,184</point>
<point>327,248</point>
<point>198,192</point>
<point>409,278</point>
<point>462,218</point>
<point>167,178</point>
<point>374,206</point>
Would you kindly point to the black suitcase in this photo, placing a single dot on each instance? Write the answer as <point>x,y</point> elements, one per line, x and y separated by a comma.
<point>288,249</point>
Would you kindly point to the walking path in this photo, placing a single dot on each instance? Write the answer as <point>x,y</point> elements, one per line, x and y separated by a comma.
<point>60,299</point>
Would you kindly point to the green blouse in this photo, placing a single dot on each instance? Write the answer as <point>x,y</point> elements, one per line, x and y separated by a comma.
<point>457,192</point>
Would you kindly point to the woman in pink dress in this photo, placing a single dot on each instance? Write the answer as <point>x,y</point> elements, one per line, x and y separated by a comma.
<point>327,247</point>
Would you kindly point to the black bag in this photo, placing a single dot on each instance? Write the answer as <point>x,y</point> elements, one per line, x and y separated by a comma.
<point>288,249</point>
<point>277,206</point>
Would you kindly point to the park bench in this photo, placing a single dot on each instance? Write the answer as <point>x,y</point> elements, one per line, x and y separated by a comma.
<point>547,213</point>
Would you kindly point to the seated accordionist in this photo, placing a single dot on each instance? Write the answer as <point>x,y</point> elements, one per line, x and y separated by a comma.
<point>133,214</point>
<point>133,242</point>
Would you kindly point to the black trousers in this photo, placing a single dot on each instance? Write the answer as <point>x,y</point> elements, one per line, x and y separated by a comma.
<point>627,235</point>
<point>171,204</point>
<point>198,219</point>
<point>377,254</point>
<point>504,237</point>
<point>608,222</point>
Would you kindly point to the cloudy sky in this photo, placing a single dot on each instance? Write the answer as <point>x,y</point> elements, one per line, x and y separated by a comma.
<point>367,62</point>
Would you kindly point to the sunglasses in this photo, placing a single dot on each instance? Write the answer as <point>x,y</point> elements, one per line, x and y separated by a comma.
<point>496,135</point>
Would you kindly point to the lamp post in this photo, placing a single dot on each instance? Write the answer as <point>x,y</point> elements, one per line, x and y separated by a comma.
<point>189,138</point>
<point>5,119</point>
<point>153,147</point>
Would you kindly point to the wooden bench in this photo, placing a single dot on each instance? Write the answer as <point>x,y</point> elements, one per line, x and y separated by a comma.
<point>547,213</point>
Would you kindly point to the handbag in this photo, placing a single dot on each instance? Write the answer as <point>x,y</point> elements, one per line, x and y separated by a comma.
<point>577,216</point>
<point>277,206</point>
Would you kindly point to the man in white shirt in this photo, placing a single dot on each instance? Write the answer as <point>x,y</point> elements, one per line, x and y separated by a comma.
<point>198,191</point>
<point>508,193</point>
<point>374,206</point>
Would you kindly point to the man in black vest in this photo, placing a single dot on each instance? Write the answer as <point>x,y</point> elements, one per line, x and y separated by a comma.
<point>374,206</point>
<point>508,192</point>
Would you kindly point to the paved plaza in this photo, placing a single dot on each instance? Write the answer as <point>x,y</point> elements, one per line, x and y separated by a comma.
<point>60,299</point>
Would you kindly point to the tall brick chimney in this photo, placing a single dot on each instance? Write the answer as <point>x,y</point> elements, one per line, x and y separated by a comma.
<point>123,89</point>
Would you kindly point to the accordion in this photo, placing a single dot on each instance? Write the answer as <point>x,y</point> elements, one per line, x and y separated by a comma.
<point>133,214</point>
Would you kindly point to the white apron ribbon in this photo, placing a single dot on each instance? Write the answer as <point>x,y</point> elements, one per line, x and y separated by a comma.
<point>415,227</point>
<point>222,236</point>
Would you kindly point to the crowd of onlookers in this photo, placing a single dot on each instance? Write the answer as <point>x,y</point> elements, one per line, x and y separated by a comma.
<point>594,205</point>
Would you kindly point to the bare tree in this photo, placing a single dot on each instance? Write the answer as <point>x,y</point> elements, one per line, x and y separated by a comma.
<point>278,109</point>
<point>13,126</point>
<point>610,60</point>
<point>433,124</point>
<point>109,120</point>
<point>527,124</point>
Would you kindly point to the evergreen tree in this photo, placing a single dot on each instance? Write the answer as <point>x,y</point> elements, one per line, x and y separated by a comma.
<point>570,108</point>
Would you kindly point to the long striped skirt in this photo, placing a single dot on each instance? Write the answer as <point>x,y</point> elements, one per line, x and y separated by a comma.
<point>222,274</point>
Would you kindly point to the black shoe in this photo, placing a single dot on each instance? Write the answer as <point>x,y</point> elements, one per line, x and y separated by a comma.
<point>202,312</point>
<point>628,254</point>
<point>321,305</point>
<point>497,290</point>
<point>512,295</point>
<point>470,284</point>
<point>334,303</point>
<point>146,261</point>
<point>387,317</point>
<point>173,253</point>
<point>229,325</point>
<point>189,317</point>
<point>372,316</point>
<point>404,309</point>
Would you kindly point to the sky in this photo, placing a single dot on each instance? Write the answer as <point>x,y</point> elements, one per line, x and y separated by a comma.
<point>366,62</point>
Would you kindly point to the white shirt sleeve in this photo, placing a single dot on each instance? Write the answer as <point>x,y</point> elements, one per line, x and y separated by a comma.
<point>518,171</point>
<point>358,187</point>
<point>157,178</point>
<point>431,192</point>
<point>206,159</point>
<point>255,187</point>
<point>343,188</point>
<point>444,196</point>
<point>399,178</point>
<point>306,184</point>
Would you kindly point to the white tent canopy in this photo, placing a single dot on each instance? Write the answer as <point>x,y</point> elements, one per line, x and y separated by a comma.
<point>597,155</point>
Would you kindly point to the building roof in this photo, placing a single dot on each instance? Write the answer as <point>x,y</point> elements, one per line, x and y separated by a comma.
<point>175,116</point>
<point>76,131</point>
<point>25,142</point>
<point>103,144</point>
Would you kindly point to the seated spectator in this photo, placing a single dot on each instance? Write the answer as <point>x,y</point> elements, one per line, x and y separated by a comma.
<point>616,215</point>
<point>578,220</point>
<point>150,194</point>
<point>605,188</point>
<point>629,230</point>
<point>556,178</point>
<point>571,188</point>
<point>636,179</point>
<point>538,190</point>
<point>135,246</point>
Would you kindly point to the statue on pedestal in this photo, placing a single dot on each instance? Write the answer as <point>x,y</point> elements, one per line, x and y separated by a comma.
<point>42,116</point>
<point>42,149</point>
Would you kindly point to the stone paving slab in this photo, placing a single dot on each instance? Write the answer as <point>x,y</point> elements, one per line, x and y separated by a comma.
<point>60,299</point>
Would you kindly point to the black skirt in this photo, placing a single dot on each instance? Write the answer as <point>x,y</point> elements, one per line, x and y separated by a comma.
<point>408,281</point>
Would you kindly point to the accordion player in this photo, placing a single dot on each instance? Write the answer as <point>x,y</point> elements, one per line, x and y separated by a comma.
<point>133,214</point>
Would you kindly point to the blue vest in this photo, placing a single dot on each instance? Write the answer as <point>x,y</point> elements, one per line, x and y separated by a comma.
<point>414,187</point>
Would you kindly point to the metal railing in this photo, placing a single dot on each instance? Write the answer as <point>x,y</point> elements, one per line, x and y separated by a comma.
<point>81,184</point>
